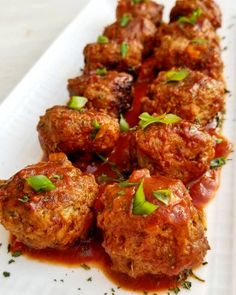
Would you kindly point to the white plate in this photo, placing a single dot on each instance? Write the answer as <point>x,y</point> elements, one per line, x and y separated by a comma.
<point>45,86</point>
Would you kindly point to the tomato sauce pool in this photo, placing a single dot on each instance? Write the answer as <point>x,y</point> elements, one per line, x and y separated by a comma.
<point>91,252</point>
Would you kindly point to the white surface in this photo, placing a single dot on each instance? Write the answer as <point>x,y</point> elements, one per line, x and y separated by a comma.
<point>27,28</point>
<point>45,86</point>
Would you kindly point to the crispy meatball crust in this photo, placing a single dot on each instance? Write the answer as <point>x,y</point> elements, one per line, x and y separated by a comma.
<point>197,98</point>
<point>166,242</point>
<point>109,56</point>
<point>202,31</point>
<point>181,52</point>
<point>148,9</point>
<point>210,10</point>
<point>180,151</point>
<point>65,130</point>
<point>111,92</point>
<point>52,219</point>
<point>140,29</point>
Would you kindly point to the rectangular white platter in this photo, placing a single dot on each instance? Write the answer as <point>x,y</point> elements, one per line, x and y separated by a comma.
<point>45,86</point>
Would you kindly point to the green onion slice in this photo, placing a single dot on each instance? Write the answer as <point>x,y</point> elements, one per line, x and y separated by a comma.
<point>125,19</point>
<point>77,102</point>
<point>218,162</point>
<point>40,183</point>
<point>124,47</point>
<point>191,19</point>
<point>163,195</point>
<point>96,128</point>
<point>103,39</point>
<point>101,71</point>
<point>176,76</point>
<point>124,125</point>
<point>24,199</point>
<point>199,41</point>
<point>146,119</point>
<point>140,205</point>
<point>128,184</point>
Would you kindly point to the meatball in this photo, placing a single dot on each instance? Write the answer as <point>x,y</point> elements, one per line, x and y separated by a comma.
<point>181,52</point>
<point>209,9</point>
<point>196,98</point>
<point>148,9</point>
<point>65,130</point>
<point>201,32</point>
<point>111,92</point>
<point>180,151</point>
<point>140,29</point>
<point>164,242</point>
<point>126,56</point>
<point>54,218</point>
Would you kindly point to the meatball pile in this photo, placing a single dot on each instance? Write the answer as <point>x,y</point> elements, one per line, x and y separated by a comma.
<point>147,218</point>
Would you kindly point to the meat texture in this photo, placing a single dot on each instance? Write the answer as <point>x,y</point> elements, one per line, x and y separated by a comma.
<point>209,9</point>
<point>181,52</point>
<point>180,151</point>
<point>49,219</point>
<point>65,130</point>
<point>148,9</point>
<point>165,242</point>
<point>197,98</point>
<point>140,29</point>
<point>125,56</point>
<point>200,33</point>
<point>111,92</point>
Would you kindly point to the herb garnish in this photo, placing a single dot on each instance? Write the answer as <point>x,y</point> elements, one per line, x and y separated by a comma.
<point>101,71</point>
<point>113,167</point>
<point>140,205</point>
<point>40,183</point>
<point>89,279</point>
<point>191,19</point>
<point>11,261</point>
<point>124,47</point>
<point>175,290</point>
<point>199,41</point>
<point>128,184</point>
<point>6,274</point>
<point>96,128</point>
<point>218,162</point>
<point>137,1</point>
<point>163,195</point>
<point>186,285</point>
<point>24,199</point>
<point>147,119</point>
<point>16,254</point>
<point>124,125</point>
<point>85,266</point>
<point>176,76</point>
<point>103,39</point>
<point>77,102</point>
<point>125,19</point>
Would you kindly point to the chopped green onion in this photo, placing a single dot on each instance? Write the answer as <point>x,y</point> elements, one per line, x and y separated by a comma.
<point>6,274</point>
<point>186,285</point>
<point>101,71</point>
<point>16,254</point>
<point>96,128</point>
<point>140,205</point>
<point>218,162</point>
<point>40,183</point>
<point>124,47</point>
<point>77,102</point>
<point>128,184</point>
<point>199,41</point>
<point>175,290</point>
<point>24,199</point>
<point>176,76</point>
<point>147,119</point>
<point>191,19</point>
<point>137,1</point>
<point>125,19</point>
<point>56,176</point>
<point>219,140</point>
<point>124,125</point>
<point>163,195</point>
<point>102,39</point>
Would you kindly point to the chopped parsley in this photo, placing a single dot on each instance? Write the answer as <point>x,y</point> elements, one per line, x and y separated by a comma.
<point>6,274</point>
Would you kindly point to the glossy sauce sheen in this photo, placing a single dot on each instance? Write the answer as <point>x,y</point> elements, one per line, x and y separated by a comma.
<point>91,251</point>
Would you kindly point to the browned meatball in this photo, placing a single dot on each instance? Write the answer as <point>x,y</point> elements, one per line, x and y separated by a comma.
<point>140,29</point>
<point>111,92</point>
<point>196,98</point>
<point>166,241</point>
<point>148,9</point>
<point>181,151</point>
<point>181,52</point>
<point>201,32</point>
<point>53,218</point>
<point>65,130</point>
<point>209,8</point>
<point>110,56</point>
